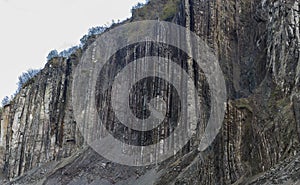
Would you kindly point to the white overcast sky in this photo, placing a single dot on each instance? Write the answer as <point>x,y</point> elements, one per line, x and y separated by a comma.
<point>29,29</point>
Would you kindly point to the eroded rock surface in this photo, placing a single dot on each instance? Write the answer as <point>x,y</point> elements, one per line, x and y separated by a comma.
<point>257,43</point>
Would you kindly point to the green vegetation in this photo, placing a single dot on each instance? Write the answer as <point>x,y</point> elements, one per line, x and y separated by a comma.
<point>243,104</point>
<point>26,78</point>
<point>156,9</point>
<point>170,9</point>
<point>5,101</point>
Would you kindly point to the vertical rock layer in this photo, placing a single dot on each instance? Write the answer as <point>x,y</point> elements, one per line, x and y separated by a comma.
<point>39,126</point>
<point>257,43</point>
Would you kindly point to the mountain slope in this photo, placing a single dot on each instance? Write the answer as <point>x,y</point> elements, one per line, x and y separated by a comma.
<point>257,44</point>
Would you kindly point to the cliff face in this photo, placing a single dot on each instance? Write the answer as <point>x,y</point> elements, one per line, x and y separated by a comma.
<point>257,43</point>
<point>38,126</point>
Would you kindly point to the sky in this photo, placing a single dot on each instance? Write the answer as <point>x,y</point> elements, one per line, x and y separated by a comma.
<point>29,29</point>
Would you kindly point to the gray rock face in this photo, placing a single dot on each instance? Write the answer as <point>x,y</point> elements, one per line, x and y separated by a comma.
<point>39,124</point>
<point>286,172</point>
<point>257,43</point>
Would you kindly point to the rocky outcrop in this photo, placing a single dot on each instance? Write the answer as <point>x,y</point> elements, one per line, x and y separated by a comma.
<point>286,173</point>
<point>257,44</point>
<point>39,126</point>
<point>283,44</point>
